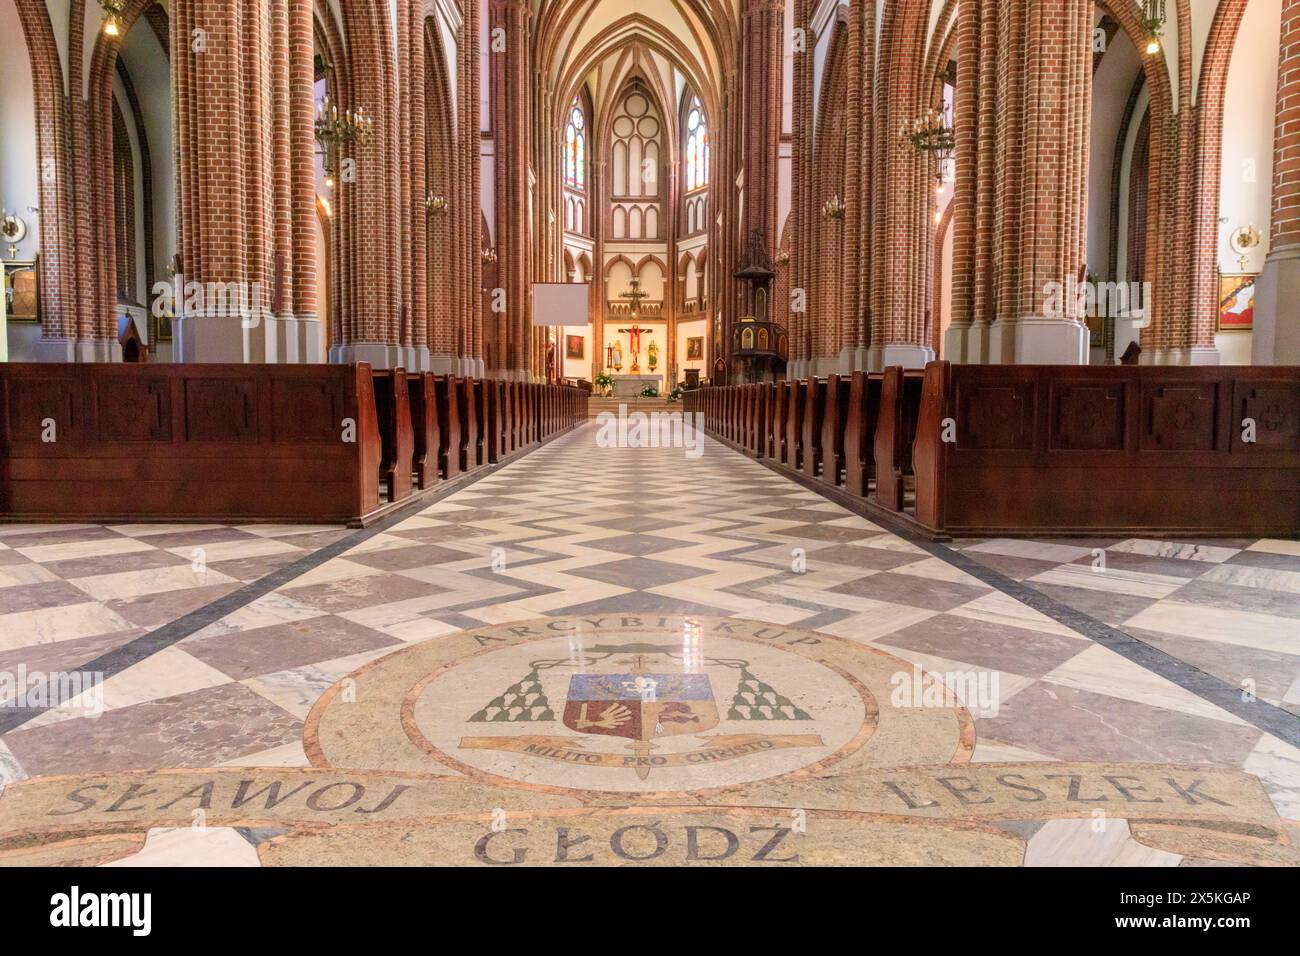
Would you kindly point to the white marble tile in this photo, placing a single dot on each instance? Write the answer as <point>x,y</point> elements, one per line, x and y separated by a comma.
<point>16,575</point>
<point>1276,546</point>
<point>1277,764</point>
<point>1111,580</point>
<point>11,771</point>
<point>933,569</point>
<point>1102,671</point>
<point>75,550</point>
<point>1243,628</point>
<point>881,619</point>
<point>286,755</point>
<point>1105,842</point>
<point>1243,575</point>
<point>46,625</point>
<point>129,584</point>
<point>991,751</point>
<point>297,689</point>
<point>266,611</point>
<point>1037,550</point>
<point>148,530</point>
<point>187,846</point>
<point>998,608</point>
<point>1179,550</point>
<point>234,550</point>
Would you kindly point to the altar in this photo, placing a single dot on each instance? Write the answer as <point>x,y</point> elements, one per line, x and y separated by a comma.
<point>631,386</point>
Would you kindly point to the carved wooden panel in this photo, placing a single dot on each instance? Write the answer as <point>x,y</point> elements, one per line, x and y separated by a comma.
<point>134,409</point>
<point>1179,417</point>
<point>1274,407</point>
<point>221,409</point>
<point>307,410</point>
<point>996,416</point>
<point>34,402</point>
<point>1087,416</point>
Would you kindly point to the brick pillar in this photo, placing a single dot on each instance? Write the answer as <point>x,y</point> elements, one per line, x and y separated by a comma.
<point>309,336</point>
<point>1018,268</point>
<point>802,195</point>
<point>903,199</point>
<point>1277,302</point>
<point>510,110</point>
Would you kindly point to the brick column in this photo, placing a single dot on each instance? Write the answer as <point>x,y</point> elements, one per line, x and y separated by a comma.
<point>1277,302</point>
<point>510,110</point>
<point>1020,266</point>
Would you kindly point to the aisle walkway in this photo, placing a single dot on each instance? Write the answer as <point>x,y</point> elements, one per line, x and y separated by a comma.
<point>682,596</point>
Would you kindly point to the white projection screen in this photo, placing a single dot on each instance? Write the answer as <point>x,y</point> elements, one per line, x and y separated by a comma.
<point>561,303</point>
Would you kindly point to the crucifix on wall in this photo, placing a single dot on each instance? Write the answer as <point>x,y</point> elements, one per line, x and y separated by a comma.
<point>635,294</point>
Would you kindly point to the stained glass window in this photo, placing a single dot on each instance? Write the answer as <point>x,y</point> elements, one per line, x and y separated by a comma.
<point>575,148</point>
<point>697,147</point>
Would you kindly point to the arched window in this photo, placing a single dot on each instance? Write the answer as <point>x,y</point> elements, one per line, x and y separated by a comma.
<point>697,147</point>
<point>575,148</point>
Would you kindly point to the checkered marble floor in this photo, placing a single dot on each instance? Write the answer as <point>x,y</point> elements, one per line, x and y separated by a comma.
<point>573,529</point>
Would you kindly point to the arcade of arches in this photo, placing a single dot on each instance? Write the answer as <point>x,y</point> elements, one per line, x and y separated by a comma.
<point>653,151</point>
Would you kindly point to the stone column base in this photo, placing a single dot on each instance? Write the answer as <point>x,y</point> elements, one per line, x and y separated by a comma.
<point>1277,309</point>
<point>77,350</point>
<point>908,356</point>
<point>1036,340</point>
<point>378,354</point>
<point>1190,356</point>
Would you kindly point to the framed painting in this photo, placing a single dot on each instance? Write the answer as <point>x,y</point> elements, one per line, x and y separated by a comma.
<point>22,303</point>
<point>1237,302</point>
<point>573,346</point>
<point>695,349</point>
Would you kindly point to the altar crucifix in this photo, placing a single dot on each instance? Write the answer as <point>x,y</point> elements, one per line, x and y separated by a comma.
<point>635,294</point>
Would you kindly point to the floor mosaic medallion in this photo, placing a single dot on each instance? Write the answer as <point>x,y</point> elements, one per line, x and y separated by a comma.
<point>655,740</point>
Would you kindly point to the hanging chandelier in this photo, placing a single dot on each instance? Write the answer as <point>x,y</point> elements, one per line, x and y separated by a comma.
<point>1154,19</point>
<point>833,208</point>
<point>113,16</point>
<point>933,135</point>
<point>335,129</point>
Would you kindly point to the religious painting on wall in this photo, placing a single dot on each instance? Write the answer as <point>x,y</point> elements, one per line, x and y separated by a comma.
<point>573,346</point>
<point>695,349</point>
<point>1237,303</point>
<point>20,291</point>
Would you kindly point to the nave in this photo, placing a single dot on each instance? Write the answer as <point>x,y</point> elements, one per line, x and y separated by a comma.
<point>669,643</point>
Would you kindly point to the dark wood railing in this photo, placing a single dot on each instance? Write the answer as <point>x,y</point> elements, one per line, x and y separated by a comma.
<point>320,443</point>
<point>1003,449</point>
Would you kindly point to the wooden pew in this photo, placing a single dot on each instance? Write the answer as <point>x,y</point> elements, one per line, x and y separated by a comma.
<point>494,410</point>
<point>1141,450</point>
<point>796,392</point>
<point>763,421</point>
<point>393,401</point>
<point>834,418</point>
<point>211,443</point>
<point>860,431</point>
<point>811,436</point>
<point>449,415</point>
<point>467,402</point>
<point>780,411</point>
<point>424,423</point>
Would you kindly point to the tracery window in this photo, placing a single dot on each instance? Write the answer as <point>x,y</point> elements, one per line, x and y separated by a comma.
<point>575,148</point>
<point>697,147</point>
